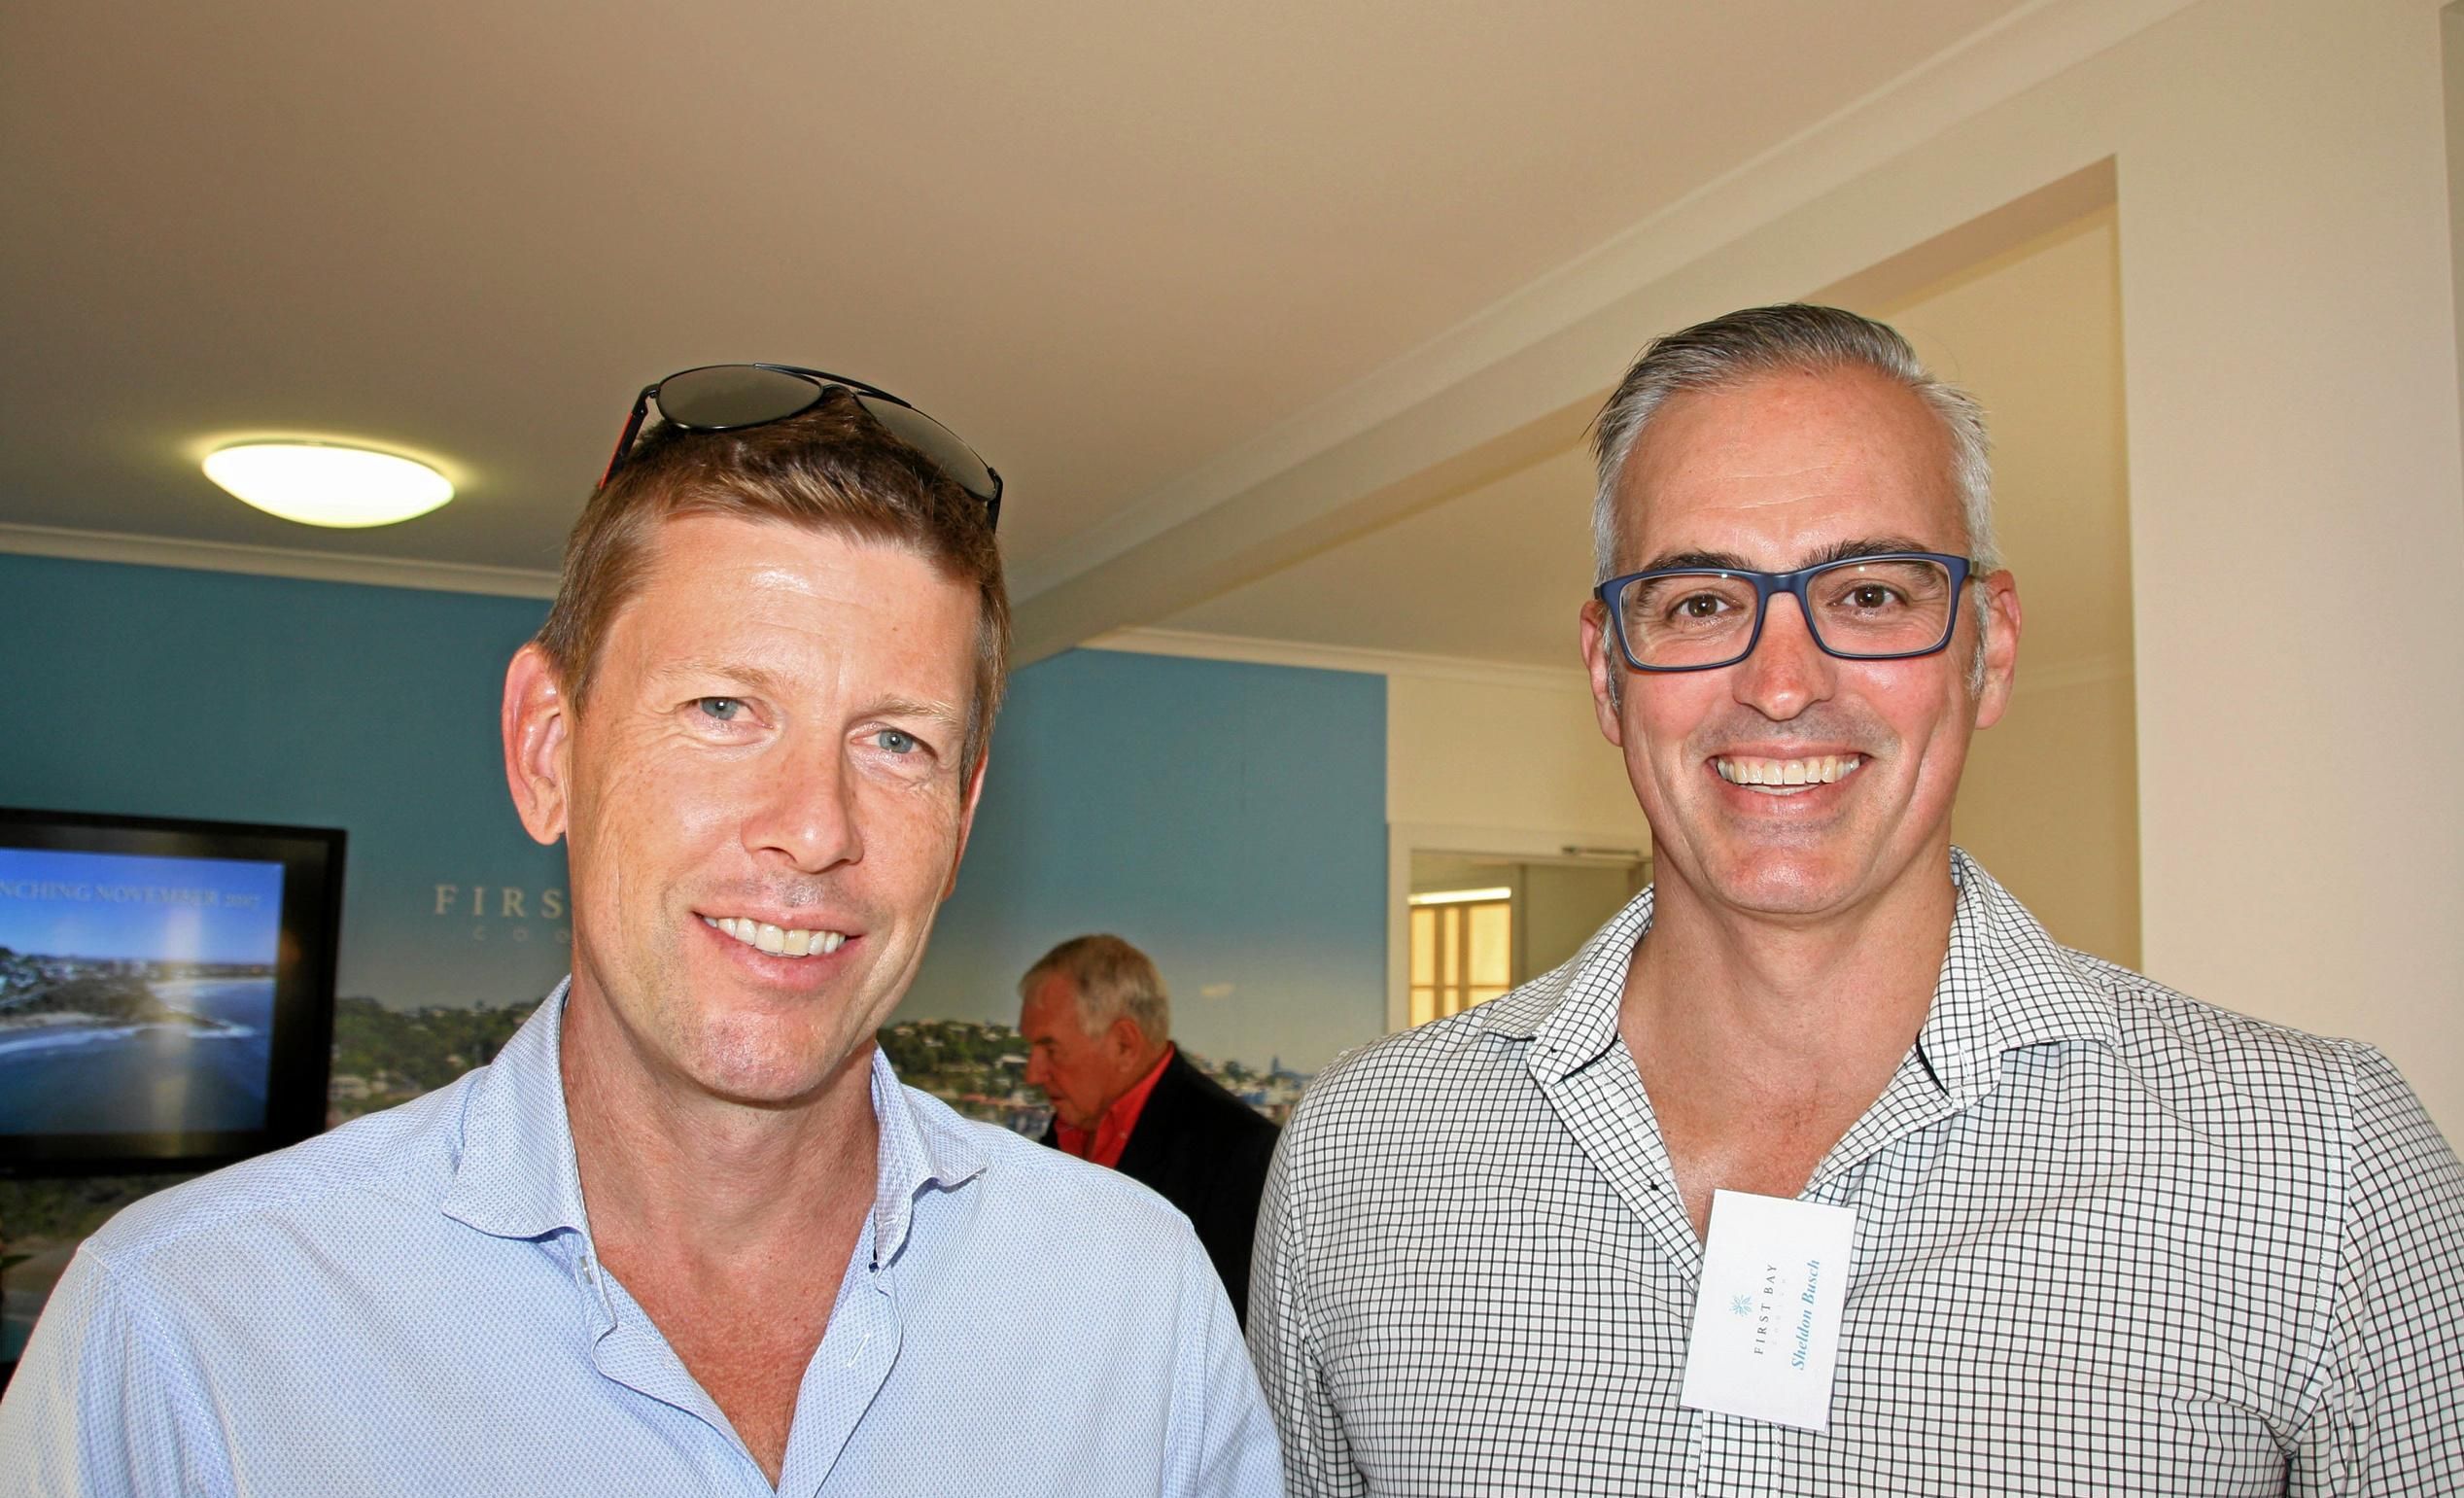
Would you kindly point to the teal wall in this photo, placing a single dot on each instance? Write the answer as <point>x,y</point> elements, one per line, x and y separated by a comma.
<point>1229,817</point>
<point>160,691</point>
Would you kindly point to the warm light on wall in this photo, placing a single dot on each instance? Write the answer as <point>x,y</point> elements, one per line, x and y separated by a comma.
<point>318,483</point>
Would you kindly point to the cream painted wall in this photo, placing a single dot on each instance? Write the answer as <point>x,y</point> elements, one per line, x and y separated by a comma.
<point>2292,405</point>
<point>2292,401</point>
<point>1523,755</point>
<point>1560,906</point>
<point>2050,800</point>
<point>2049,804</point>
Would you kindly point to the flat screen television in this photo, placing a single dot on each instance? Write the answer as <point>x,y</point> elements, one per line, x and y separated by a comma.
<point>166,990</point>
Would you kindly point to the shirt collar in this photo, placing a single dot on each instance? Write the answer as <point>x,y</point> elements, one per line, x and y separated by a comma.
<point>2004,985</point>
<point>1570,1014</point>
<point>925,1147</point>
<point>517,1175</point>
<point>1104,1142</point>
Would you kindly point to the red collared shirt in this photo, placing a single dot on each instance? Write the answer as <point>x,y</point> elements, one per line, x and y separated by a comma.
<point>1111,1134</point>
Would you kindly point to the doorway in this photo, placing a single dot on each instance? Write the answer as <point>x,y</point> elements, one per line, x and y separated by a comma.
<point>1480,924</point>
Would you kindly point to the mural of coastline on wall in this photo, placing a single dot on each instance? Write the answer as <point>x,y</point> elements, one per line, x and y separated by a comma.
<point>384,1057</point>
<point>1227,818</point>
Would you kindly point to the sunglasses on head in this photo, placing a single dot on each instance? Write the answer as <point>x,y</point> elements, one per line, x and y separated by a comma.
<point>731,397</point>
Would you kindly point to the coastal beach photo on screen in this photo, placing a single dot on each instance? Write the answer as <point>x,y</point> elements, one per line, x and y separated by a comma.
<point>136,993</point>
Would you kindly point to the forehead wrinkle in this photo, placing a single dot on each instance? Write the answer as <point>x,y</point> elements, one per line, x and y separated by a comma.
<point>1723,477</point>
<point>1819,465</point>
<point>740,668</point>
<point>1847,550</point>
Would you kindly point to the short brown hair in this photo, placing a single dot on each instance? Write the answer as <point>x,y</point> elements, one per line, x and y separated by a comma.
<point>831,468</point>
<point>1112,978</point>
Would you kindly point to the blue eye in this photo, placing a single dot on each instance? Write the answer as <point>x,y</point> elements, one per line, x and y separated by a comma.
<point>724,709</point>
<point>897,743</point>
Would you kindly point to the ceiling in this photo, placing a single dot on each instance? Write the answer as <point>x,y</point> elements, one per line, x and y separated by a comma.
<point>1110,243</point>
<point>2033,330</point>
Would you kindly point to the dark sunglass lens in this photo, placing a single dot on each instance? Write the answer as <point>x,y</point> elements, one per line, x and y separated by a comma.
<point>722,397</point>
<point>936,442</point>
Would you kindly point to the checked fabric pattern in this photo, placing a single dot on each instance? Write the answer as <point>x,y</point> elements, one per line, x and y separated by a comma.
<point>2108,1240</point>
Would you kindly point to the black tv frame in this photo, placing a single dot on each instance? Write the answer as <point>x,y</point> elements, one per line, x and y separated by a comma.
<point>301,1048</point>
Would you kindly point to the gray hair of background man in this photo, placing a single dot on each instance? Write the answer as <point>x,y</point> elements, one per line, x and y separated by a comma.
<point>1112,978</point>
<point>1795,338</point>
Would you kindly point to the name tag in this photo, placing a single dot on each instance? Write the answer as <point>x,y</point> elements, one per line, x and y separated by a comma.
<point>1766,1324</point>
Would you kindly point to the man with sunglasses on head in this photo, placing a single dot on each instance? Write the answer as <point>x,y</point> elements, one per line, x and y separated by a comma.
<point>687,1232</point>
<point>1822,1170</point>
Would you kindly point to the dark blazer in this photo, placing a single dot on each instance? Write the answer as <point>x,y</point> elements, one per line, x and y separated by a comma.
<point>1206,1152</point>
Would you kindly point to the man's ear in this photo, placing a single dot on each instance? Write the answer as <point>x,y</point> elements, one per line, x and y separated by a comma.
<point>1124,1038</point>
<point>2001,648</point>
<point>967,818</point>
<point>537,725</point>
<point>1604,661</point>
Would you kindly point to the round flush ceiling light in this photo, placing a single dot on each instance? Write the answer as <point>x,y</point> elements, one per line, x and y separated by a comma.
<point>319,483</point>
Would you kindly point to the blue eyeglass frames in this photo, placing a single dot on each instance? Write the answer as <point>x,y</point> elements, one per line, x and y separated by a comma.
<point>1889,607</point>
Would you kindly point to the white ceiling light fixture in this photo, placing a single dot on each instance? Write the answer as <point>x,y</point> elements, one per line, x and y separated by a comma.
<point>1461,896</point>
<point>325,483</point>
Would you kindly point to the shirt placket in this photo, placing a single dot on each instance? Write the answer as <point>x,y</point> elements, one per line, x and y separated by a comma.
<point>1731,1455</point>
<point>1605,1110</point>
<point>630,1350</point>
<point>847,1372</point>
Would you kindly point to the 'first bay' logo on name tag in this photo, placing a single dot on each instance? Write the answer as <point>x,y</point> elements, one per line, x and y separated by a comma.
<point>1766,1317</point>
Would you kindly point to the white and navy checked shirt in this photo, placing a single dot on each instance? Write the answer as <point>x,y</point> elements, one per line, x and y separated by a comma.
<point>412,1305</point>
<point>2108,1240</point>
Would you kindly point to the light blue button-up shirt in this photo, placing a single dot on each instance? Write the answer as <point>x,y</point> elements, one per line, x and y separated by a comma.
<point>412,1304</point>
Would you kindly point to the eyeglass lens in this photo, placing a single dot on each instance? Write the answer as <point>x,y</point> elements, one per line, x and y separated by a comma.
<point>1854,608</point>
<point>934,440</point>
<point>724,396</point>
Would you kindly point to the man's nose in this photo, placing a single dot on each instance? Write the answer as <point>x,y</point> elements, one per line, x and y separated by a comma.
<point>1787,671</point>
<point>808,815</point>
<point>1034,1069</point>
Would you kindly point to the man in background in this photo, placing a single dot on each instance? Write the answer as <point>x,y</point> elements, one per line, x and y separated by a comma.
<point>1098,1027</point>
<point>1821,1168</point>
<point>687,1232</point>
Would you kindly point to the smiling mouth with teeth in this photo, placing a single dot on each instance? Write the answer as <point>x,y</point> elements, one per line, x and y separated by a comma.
<point>777,941</point>
<point>1782,776</point>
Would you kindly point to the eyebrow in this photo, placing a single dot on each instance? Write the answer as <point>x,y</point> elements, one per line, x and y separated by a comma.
<point>908,707</point>
<point>760,678</point>
<point>1836,551</point>
<point>767,683</point>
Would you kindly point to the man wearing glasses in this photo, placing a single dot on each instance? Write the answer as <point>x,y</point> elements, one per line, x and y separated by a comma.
<point>687,1234</point>
<point>1821,1170</point>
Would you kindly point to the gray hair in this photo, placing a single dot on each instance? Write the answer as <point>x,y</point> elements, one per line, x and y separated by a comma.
<point>1112,978</point>
<point>1793,338</point>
